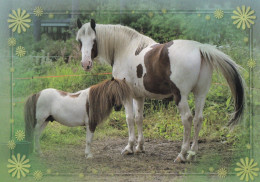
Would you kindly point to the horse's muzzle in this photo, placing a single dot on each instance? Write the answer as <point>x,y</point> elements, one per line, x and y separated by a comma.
<point>86,65</point>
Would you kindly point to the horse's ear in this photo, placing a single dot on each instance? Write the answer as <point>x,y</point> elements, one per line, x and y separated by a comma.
<point>112,79</point>
<point>93,24</point>
<point>79,23</point>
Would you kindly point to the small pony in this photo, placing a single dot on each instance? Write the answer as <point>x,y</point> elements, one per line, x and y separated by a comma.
<point>87,107</point>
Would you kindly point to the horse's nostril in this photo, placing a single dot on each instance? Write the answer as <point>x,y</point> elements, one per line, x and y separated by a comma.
<point>82,64</point>
<point>87,67</point>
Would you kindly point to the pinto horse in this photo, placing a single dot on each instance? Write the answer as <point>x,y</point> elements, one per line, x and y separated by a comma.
<point>87,107</point>
<point>158,71</point>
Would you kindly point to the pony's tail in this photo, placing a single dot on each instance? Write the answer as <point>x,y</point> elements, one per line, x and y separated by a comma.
<point>230,70</point>
<point>30,117</point>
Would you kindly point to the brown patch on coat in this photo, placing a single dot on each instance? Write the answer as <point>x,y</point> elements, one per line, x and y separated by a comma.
<point>139,71</point>
<point>74,95</point>
<point>62,93</point>
<point>102,98</point>
<point>94,50</point>
<point>157,77</point>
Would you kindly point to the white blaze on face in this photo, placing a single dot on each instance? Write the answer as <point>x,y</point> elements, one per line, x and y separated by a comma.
<point>86,36</point>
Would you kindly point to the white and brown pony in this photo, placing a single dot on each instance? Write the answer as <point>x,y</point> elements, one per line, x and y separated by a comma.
<point>158,71</point>
<point>87,107</point>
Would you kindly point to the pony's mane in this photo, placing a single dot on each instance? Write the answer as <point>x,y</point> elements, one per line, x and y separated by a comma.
<point>114,39</point>
<point>101,98</point>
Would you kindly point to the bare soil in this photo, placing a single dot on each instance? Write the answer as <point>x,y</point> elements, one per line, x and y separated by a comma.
<point>156,163</point>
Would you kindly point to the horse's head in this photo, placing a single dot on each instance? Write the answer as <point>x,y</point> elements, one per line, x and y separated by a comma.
<point>86,36</point>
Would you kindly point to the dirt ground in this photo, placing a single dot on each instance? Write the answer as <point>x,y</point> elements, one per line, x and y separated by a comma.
<point>156,162</point>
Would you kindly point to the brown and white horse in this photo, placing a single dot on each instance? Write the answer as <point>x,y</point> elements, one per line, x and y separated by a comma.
<point>160,71</point>
<point>87,107</point>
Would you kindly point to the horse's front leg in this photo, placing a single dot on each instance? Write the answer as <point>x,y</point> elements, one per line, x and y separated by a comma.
<point>139,108</point>
<point>89,138</point>
<point>131,130</point>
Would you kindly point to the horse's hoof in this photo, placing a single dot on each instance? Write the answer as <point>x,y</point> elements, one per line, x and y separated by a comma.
<point>191,155</point>
<point>180,159</point>
<point>139,150</point>
<point>126,152</point>
<point>89,156</point>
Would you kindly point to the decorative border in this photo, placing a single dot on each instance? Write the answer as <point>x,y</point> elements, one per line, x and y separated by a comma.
<point>243,18</point>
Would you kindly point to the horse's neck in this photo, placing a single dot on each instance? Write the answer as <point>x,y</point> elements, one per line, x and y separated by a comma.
<point>115,41</point>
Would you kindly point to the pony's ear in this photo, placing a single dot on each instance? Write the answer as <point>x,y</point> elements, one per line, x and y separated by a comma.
<point>112,79</point>
<point>93,24</point>
<point>79,23</point>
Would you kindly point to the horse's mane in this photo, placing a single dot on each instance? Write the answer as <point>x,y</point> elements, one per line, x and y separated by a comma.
<point>102,97</point>
<point>113,39</point>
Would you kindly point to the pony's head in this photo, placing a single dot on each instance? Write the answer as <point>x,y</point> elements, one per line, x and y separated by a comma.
<point>103,97</point>
<point>86,37</point>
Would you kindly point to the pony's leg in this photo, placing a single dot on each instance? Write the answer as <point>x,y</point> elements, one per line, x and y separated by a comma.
<point>197,122</point>
<point>89,138</point>
<point>131,130</point>
<point>186,117</point>
<point>38,131</point>
<point>139,108</point>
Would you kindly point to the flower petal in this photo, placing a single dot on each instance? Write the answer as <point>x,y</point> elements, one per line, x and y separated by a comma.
<point>14,159</point>
<point>250,13</point>
<point>14,13</point>
<point>239,10</point>
<point>23,13</point>
<point>22,159</point>
<point>19,31</point>
<point>19,12</point>
<point>11,161</point>
<point>243,9</point>
<point>11,170</point>
<point>18,174</point>
<point>15,27</point>
<point>14,173</point>
<point>26,16</point>
<point>247,10</point>
<point>26,161</point>
<point>25,170</point>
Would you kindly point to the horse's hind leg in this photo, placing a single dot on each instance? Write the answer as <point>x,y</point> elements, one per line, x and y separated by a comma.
<point>186,117</point>
<point>200,91</point>
<point>38,130</point>
<point>139,108</point>
<point>197,122</point>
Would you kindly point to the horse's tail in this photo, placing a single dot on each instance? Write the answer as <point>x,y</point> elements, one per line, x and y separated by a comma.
<point>30,116</point>
<point>230,70</point>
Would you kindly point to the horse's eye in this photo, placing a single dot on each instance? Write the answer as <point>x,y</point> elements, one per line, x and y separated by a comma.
<point>80,44</point>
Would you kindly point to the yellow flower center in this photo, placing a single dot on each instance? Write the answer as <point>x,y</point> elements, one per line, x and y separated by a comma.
<point>18,166</point>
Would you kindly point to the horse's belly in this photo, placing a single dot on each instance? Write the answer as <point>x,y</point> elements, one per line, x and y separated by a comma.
<point>70,114</point>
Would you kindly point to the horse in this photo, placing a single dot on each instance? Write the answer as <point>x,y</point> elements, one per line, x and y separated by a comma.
<point>87,107</point>
<point>158,71</point>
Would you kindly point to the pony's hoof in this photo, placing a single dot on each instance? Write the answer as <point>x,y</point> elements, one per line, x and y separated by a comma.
<point>127,152</point>
<point>180,159</point>
<point>191,155</point>
<point>39,153</point>
<point>89,156</point>
<point>139,150</point>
